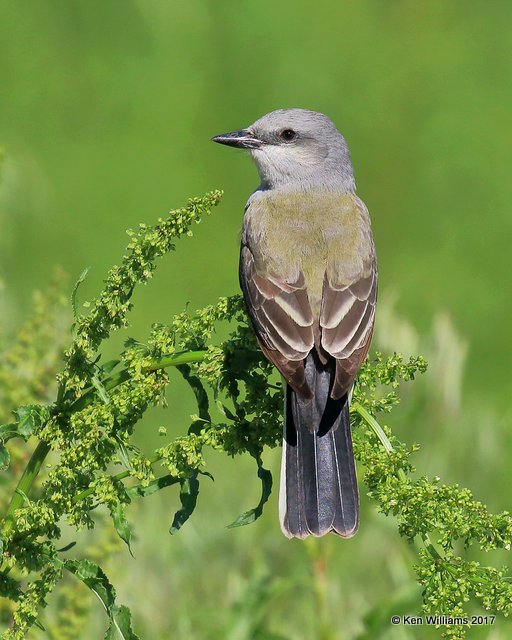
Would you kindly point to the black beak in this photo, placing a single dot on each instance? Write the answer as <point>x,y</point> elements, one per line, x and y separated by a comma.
<point>243,139</point>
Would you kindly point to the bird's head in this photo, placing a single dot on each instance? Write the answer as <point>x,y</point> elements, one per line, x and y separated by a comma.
<point>296,148</point>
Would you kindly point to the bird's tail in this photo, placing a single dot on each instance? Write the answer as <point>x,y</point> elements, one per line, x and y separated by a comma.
<point>318,492</point>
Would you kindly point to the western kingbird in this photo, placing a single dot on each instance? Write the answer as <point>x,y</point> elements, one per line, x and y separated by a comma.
<point>308,273</point>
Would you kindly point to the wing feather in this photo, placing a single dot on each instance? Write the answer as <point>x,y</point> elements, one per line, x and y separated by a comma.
<point>347,317</point>
<point>336,303</point>
<point>335,339</point>
<point>282,318</point>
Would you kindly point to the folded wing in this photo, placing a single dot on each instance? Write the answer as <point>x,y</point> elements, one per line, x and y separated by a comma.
<point>282,318</point>
<point>346,321</point>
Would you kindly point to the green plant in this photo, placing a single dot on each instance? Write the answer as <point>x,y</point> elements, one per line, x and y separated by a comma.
<point>88,432</point>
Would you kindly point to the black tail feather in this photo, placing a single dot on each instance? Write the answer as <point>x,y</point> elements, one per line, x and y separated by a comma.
<point>318,479</point>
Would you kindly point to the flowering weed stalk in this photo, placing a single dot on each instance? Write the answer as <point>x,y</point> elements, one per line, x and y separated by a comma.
<point>90,425</point>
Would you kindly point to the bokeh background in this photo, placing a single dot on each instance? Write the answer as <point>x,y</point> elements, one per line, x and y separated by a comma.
<point>106,111</point>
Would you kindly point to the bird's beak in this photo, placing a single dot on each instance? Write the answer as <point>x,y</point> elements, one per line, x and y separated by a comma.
<point>243,139</point>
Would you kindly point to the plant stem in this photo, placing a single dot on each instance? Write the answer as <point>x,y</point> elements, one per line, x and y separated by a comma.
<point>185,357</point>
<point>38,457</point>
<point>429,545</point>
<point>87,492</point>
<point>381,435</point>
<point>120,476</point>
<point>370,420</point>
<point>27,479</point>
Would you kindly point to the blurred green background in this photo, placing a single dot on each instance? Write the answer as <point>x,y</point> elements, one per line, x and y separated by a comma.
<point>106,111</point>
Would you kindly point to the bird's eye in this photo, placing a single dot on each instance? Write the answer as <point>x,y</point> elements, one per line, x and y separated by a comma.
<point>287,134</point>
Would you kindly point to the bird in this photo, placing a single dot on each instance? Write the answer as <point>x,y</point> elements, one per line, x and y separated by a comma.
<point>308,274</point>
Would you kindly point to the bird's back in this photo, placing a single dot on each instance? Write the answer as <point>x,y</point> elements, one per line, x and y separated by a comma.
<point>314,233</point>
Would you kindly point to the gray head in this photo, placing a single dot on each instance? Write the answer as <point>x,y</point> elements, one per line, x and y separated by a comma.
<point>296,148</point>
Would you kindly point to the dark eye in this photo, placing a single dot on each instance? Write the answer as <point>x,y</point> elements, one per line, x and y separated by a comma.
<point>287,134</point>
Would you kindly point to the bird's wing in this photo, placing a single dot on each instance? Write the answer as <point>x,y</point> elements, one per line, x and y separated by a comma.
<point>347,317</point>
<point>281,315</point>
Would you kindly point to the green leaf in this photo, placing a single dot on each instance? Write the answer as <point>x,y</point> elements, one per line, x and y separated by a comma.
<point>188,497</point>
<point>266,489</point>
<point>133,343</point>
<point>121,524</point>
<point>81,278</point>
<point>226,411</point>
<point>109,366</point>
<point>29,418</point>
<point>201,395</point>
<point>67,547</point>
<point>94,578</point>
<point>141,491</point>
<point>121,624</point>
<point>39,624</point>
<point>124,456</point>
<point>102,392</point>
<point>8,431</point>
<point>5,457</point>
<point>9,587</point>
